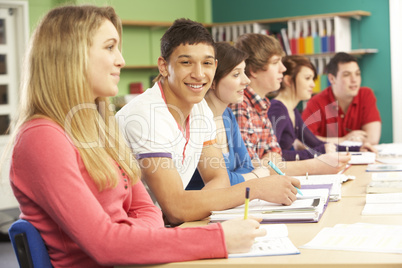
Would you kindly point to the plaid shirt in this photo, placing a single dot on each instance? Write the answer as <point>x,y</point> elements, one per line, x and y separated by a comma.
<point>255,126</point>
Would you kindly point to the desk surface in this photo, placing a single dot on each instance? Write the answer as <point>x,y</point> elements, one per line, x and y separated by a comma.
<point>356,187</point>
<point>347,210</point>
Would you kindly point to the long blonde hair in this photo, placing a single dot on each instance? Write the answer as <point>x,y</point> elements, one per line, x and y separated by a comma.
<point>55,86</point>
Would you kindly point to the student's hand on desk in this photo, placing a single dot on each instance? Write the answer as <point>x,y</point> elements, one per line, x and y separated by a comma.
<point>278,189</point>
<point>332,163</point>
<point>368,147</point>
<point>240,234</point>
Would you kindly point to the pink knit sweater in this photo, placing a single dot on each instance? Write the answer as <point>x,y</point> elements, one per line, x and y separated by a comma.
<point>83,227</point>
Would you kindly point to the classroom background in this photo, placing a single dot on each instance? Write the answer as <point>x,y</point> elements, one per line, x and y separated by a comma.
<point>141,43</point>
<point>146,21</point>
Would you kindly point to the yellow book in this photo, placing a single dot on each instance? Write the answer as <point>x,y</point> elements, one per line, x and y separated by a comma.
<point>317,87</point>
<point>309,45</point>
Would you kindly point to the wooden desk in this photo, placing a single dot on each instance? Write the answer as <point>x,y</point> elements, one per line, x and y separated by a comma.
<point>347,210</point>
<point>356,187</point>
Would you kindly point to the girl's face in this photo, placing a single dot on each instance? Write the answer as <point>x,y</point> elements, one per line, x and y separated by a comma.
<point>230,88</point>
<point>105,61</point>
<point>304,83</point>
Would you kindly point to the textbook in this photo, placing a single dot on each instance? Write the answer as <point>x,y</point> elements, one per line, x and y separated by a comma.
<point>361,158</point>
<point>275,242</point>
<point>307,208</point>
<point>383,204</point>
<point>389,153</point>
<point>389,149</point>
<point>383,167</point>
<point>378,187</point>
<point>385,182</point>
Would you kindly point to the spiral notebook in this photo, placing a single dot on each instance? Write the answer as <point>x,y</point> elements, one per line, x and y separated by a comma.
<point>275,242</point>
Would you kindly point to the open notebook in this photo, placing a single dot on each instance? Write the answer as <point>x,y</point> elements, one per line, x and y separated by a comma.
<point>359,237</point>
<point>307,208</point>
<point>335,180</point>
<point>275,242</point>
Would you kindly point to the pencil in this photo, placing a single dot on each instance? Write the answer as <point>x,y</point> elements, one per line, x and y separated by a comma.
<point>246,203</point>
<point>277,170</point>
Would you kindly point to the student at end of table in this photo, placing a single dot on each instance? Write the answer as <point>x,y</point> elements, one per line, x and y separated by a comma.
<point>265,69</point>
<point>228,87</point>
<point>295,139</point>
<point>172,132</point>
<point>344,110</point>
<point>72,173</point>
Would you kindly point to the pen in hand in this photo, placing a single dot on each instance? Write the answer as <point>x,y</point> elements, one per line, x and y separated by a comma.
<point>246,203</point>
<point>277,170</point>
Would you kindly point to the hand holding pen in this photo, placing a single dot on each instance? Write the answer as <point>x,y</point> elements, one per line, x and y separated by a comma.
<point>277,170</point>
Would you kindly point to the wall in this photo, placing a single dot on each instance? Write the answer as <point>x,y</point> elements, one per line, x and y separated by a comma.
<point>370,32</point>
<point>140,44</point>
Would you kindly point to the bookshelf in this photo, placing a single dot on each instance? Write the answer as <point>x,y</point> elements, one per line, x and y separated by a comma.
<point>317,37</point>
<point>225,32</point>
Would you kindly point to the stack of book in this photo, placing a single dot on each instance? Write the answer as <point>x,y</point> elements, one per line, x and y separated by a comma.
<point>385,182</point>
<point>307,208</point>
<point>383,204</point>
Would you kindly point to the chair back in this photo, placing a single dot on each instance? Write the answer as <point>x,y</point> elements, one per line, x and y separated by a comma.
<point>28,245</point>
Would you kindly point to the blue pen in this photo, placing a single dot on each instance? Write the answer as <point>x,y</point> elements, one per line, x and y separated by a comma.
<point>277,170</point>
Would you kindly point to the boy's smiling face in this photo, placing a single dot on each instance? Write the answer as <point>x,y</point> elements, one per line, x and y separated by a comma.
<point>188,74</point>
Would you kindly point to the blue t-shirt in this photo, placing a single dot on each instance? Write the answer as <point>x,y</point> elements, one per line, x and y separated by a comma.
<point>237,161</point>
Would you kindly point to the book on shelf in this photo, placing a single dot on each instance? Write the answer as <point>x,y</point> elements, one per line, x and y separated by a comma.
<point>308,37</point>
<point>285,40</point>
<point>293,35</point>
<point>342,34</point>
<point>301,48</point>
<point>307,208</point>
<point>383,204</point>
<point>275,242</point>
<point>329,23</point>
<point>359,237</point>
<point>322,30</point>
<point>316,37</point>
